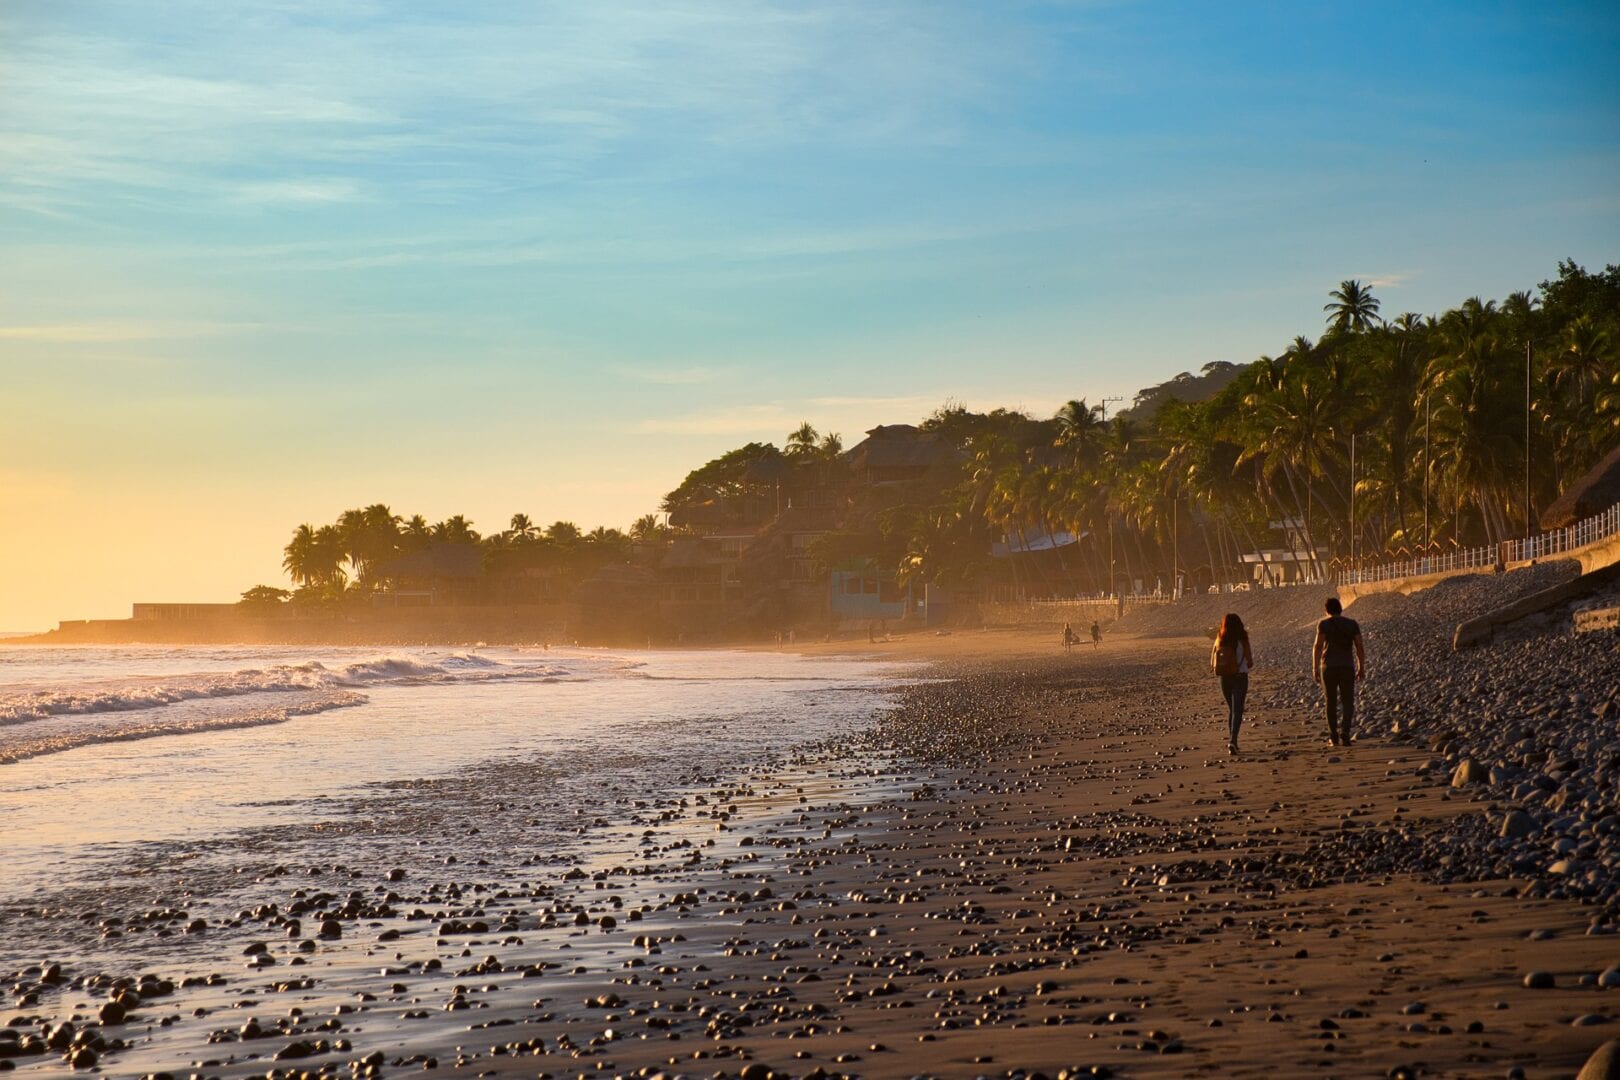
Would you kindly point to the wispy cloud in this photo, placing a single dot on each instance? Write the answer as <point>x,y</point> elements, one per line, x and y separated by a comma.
<point>101,332</point>
<point>1385,281</point>
<point>902,404</point>
<point>770,419</point>
<point>538,94</point>
<point>687,376</point>
<point>314,189</point>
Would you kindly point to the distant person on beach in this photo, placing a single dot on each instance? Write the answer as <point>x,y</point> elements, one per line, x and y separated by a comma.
<point>1232,658</point>
<point>1096,633</point>
<point>1069,638</point>
<point>1338,662</point>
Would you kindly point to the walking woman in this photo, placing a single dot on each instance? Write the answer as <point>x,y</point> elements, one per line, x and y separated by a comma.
<point>1232,659</point>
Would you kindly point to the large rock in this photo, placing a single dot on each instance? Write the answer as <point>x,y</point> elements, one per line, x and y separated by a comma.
<point>1518,824</point>
<point>1604,1064</point>
<point>1468,771</point>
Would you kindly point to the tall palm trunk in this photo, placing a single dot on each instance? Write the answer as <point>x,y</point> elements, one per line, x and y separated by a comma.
<point>1305,510</point>
<point>1265,567</point>
<point>1203,527</point>
<point>1023,542</point>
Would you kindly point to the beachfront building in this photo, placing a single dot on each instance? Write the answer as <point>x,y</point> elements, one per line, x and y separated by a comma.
<point>1291,562</point>
<point>699,579</point>
<point>866,595</point>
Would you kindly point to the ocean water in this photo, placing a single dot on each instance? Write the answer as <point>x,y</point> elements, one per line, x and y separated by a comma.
<point>138,775</point>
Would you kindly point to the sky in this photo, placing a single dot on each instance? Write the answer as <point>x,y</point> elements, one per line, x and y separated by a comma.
<point>264,261</point>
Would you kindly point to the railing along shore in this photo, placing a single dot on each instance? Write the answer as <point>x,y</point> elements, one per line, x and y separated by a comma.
<point>1558,541</point>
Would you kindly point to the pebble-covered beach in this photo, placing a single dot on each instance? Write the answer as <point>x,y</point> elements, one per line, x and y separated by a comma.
<point>1040,864</point>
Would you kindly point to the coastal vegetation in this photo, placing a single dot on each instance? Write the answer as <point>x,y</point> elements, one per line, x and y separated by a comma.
<point>1382,436</point>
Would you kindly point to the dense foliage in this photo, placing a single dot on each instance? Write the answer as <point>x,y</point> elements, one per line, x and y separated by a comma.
<point>1440,413</point>
<point>366,549</point>
<point>1379,438</point>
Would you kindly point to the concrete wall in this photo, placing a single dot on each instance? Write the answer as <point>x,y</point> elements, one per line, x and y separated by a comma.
<point>362,626</point>
<point>1078,613</point>
<point>1406,586</point>
<point>1597,556</point>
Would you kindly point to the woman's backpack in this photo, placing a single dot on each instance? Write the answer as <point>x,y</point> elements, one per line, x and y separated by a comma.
<point>1228,660</point>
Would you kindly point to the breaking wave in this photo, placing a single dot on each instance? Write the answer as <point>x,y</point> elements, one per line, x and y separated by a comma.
<point>90,730</point>
<point>37,720</point>
<point>22,707</point>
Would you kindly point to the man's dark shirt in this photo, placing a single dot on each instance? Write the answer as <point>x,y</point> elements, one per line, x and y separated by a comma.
<point>1340,634</point>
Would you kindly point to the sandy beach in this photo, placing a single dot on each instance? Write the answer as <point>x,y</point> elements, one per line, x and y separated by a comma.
<point>1040,863</point>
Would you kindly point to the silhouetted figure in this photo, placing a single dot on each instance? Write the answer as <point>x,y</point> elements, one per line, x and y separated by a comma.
<point>1231,659</point>
<point>1338,662</point>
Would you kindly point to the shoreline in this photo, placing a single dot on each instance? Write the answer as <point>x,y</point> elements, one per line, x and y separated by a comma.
<point>1067,833</point>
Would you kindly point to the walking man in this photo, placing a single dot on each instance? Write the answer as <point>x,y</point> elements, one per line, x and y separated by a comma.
<point>1338,662</point>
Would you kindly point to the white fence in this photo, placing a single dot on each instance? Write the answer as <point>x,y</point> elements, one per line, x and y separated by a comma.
<point>1590,531</point>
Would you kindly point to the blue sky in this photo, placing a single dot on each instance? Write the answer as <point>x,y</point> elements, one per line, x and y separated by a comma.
<point>268,260</point>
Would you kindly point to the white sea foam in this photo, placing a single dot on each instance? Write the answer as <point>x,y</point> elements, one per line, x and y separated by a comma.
<point>27,705</point>
<point>45,718</point>
<point>69,733</point>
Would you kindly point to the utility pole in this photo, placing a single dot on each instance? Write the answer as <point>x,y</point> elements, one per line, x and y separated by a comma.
<point>1529,526</point>
<point>1112,577</point>
<point>1428,536</point>
<point>1175,545</point>
<point>1352,501</point>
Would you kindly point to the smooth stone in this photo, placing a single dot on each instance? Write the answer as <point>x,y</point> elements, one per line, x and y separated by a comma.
<point>1610,977</point>
<point>1468,772</point>
<point>1604,1064</point>
<point>1517,825</point>
<point>1539,980</point>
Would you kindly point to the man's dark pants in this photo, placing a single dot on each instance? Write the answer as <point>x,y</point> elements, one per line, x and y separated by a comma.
<point>1339,684</point>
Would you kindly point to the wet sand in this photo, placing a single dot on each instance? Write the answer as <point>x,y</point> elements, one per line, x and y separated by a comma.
<point>1046,863</point>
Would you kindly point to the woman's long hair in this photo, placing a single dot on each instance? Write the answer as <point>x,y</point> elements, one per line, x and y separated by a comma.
<point>1232,628</point>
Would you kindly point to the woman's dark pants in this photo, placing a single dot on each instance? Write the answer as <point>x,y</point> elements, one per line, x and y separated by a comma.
<point>1234,688</point>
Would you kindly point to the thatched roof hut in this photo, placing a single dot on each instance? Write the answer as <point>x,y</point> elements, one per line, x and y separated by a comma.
<point>893,452</point>
<point>1592,494</point>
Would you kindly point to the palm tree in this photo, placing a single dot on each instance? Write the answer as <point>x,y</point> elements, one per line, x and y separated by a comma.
<point>645,528</point>
<point>1403,355</point>
<point>415,533</point>
<point>455,530</point>
<point>1478,432</point>
<point>370,537</point>
<point>1351,307</point>
<point>801,442</point>
<point>1081,429</point>
<point>1295,438</point>
<point>1584,361</point>
<point>301,557</point>
<point>563,533</point>
<point>522,528</point>
<point>314,557</point>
